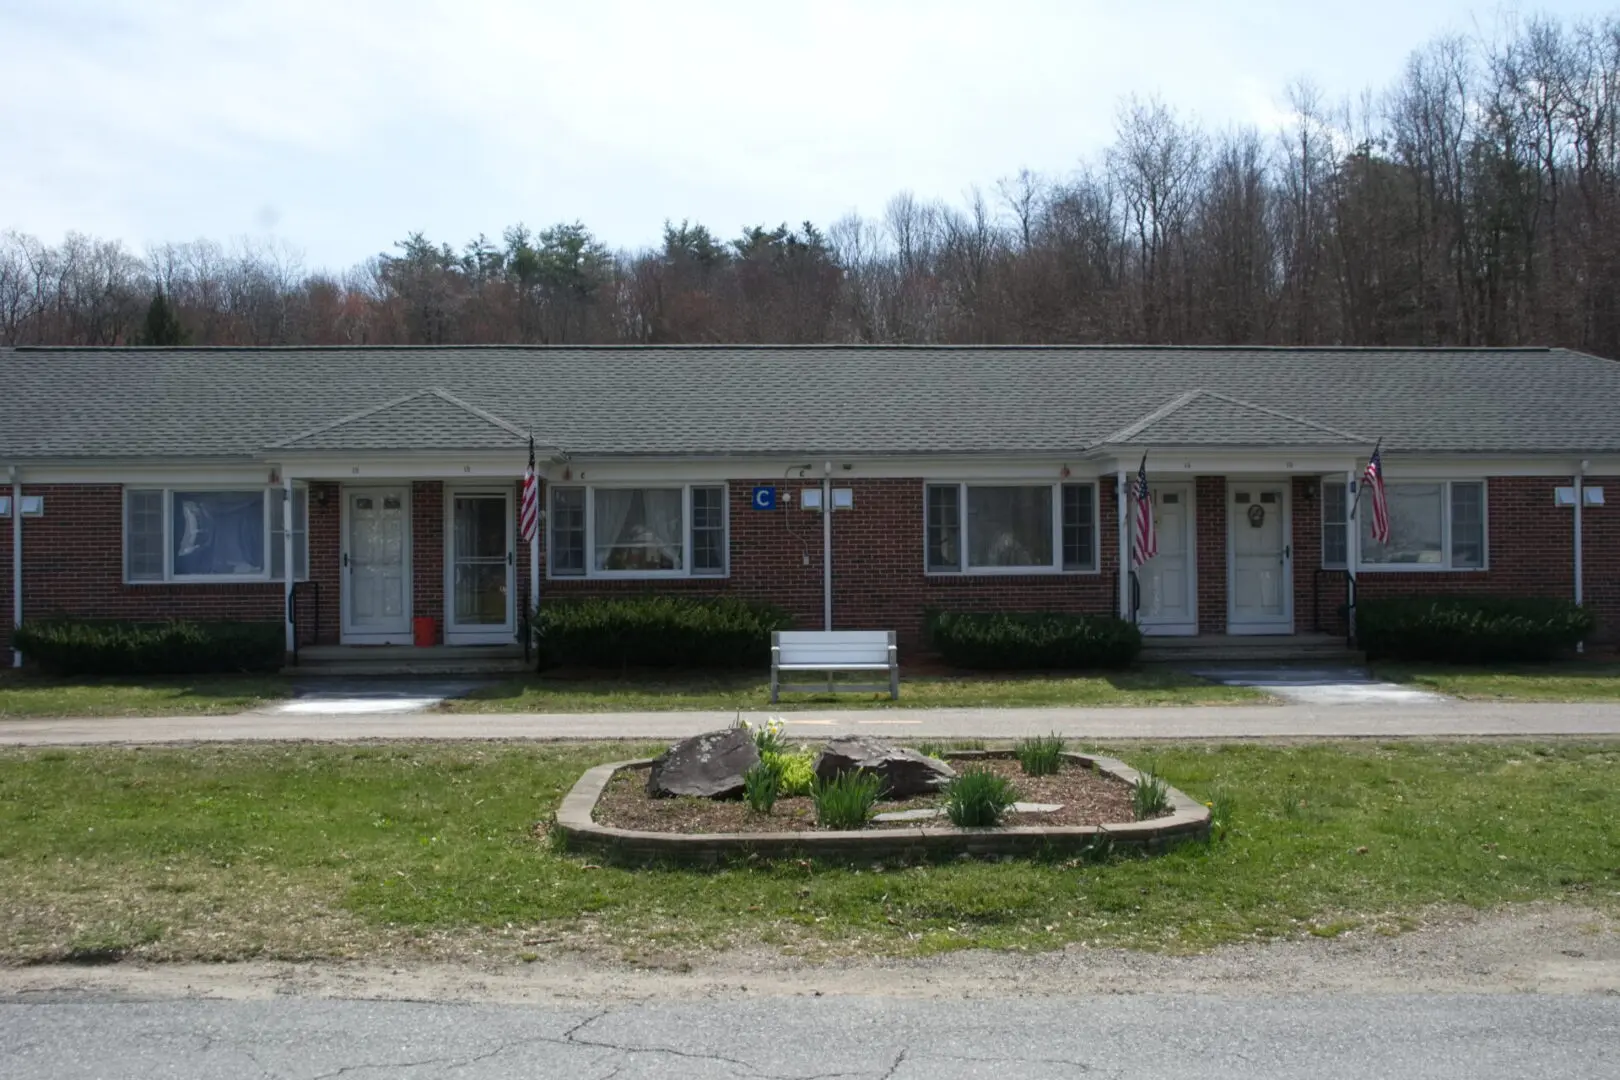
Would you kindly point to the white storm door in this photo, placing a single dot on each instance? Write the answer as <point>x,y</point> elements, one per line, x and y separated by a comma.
<point>1261,583</point>
<point>481,566</point>
<point>376,566</point>
<point>1169,604</point>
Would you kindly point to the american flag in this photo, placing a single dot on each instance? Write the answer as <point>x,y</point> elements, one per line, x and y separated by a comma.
<point>1144,540</point>
<point>529,508</point>
<point>1374,479</point>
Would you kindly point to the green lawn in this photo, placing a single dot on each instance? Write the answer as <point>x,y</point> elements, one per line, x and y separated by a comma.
<point>430,850</point>
<point>1546,682</point>
<point>24,696</point>
<point>724,691</point>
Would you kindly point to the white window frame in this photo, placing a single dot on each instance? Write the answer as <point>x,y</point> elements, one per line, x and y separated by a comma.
<point>686,571</point>
<point>1364,510</point>
<point>272,505</point>
<point>1347,525</point>
<point>1055,567</point>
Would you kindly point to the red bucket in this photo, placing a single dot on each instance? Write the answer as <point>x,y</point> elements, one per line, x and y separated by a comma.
<point>426,631</point>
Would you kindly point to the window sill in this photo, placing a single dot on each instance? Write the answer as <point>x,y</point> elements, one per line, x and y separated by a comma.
<point>1030,571</point>
<point>1418,568</point>
<point>218,580</point>
<point>634,575</point>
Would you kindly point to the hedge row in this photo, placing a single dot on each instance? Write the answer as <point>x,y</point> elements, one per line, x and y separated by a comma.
<point>657,631</point>
<point>1471,629</point>
<point>68,647</point>
<point>1037,641</point>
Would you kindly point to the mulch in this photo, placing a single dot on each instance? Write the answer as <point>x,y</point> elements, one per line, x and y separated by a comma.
<point>1088,798</point>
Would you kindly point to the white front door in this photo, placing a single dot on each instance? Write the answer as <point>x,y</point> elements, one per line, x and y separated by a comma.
<point>479,568</point>
<point>1260,558</point>
<point>1168,580</point>
<point>376,566</point>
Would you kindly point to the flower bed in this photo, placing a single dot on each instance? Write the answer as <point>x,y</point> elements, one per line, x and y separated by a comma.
<point>608,815</point>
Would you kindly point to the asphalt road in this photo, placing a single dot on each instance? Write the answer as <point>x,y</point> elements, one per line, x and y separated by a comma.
<point>1324,1037</point>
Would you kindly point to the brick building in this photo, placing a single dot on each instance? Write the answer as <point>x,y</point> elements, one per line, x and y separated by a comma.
<point>150,483</point>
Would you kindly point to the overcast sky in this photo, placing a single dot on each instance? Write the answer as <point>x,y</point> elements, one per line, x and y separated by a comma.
<point>338,126</point>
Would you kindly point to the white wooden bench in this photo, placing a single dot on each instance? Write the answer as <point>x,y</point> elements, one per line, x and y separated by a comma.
<point>832,651</point>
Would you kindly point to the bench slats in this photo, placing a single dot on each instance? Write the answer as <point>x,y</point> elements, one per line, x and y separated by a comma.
<point>828,651</point>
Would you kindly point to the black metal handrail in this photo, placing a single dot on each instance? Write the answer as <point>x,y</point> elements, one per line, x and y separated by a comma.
<point>292,614</point>
<point>1136,595</point>
<point>523,620</point>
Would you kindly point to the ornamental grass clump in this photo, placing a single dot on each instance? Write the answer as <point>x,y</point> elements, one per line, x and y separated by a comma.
<point>1041,755</point>
<point>977,799</point>
<point>760,788</point>
<point>846,801</point>
<point>1150,798</point>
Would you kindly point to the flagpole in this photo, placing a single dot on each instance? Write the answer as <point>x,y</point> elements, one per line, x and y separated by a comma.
<point>534,549</point>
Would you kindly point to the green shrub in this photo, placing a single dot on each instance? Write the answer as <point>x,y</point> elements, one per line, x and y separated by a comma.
<point>1041,755</point>
<point>657,631</point>
<point>976,798</point>
<point>760,788</point>
<point>68,647</point>
<point>1042,641</point>
<point>1150,797</point>
<point>846,801</point>
<point>795,773</point>
<point>1471,629</point>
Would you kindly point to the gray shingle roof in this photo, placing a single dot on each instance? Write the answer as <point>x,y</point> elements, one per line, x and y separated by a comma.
<point>68,403</point>
<point>428,418</point>
<point>1205,418</point>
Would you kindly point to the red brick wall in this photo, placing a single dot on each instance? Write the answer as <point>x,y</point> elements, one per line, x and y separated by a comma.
<point>1600,561</point>
<point>73,565</point>
<point>1211,531</point>
<point>427,553</point>
<point>5,585</point>
<point>73,561</point>
<point>878,578</point>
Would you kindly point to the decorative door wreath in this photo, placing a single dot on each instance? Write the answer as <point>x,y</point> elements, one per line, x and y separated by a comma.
<point>1257,515</point>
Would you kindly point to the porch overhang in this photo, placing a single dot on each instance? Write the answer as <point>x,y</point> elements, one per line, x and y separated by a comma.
<point>362,465</point>
<point>1164,461</point>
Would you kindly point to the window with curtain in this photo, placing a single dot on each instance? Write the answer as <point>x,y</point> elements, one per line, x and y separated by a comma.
<point>1002,527</point>
<point>648,530</point>
<point>200,534</point>
<point>1438,525</point>
<point>1335,530</point>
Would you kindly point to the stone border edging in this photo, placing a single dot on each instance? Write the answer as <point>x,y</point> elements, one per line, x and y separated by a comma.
<point>1188,820</point>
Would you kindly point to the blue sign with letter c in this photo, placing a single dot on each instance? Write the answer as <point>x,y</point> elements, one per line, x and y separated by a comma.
<point>764,498</point>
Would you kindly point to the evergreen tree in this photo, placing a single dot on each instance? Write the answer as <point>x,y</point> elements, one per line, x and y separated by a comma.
<point>162,325</point>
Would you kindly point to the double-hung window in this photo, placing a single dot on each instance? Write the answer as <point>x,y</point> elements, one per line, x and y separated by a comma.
<point>212,534</point>
<point>663,531</point>
<point>1433,525</point>
<point>1006,528</point>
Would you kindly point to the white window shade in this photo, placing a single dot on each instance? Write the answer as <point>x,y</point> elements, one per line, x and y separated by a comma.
<point>639,529</point>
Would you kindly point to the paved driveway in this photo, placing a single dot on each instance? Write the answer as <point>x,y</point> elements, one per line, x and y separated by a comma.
<point>1320,686</point>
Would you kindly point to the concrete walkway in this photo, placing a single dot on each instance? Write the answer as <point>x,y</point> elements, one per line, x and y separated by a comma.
<point>1449,719</point>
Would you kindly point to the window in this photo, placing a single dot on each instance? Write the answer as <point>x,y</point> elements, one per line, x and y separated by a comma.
<point>660,531</point>
<point>1335,536</point>
<point>997,528</point>
<point>708,530</point>
<point>212,534</point>
<point>567,530</point>
<point>1433,526</point>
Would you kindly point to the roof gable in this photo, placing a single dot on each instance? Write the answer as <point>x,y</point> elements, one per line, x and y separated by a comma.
<point>432,419</point>
<point>1208,418</point>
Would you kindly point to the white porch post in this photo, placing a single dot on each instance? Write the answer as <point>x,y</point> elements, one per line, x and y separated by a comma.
<point>1352,548</point>
<point>1124,551</point>
<point>288,577</point>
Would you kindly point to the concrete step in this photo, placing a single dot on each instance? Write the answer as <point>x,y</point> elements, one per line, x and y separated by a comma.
<point>1222,648</point>
<point>318,661</point>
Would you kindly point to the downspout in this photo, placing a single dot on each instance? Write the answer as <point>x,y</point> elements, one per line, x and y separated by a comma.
<point>16,563</point>
<point>1580,497</point>
<point>826,546</point>
<point>288,578</point>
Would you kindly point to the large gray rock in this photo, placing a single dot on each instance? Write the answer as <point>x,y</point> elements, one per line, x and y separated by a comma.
<point>709,766</point>
<point>904,773</point>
